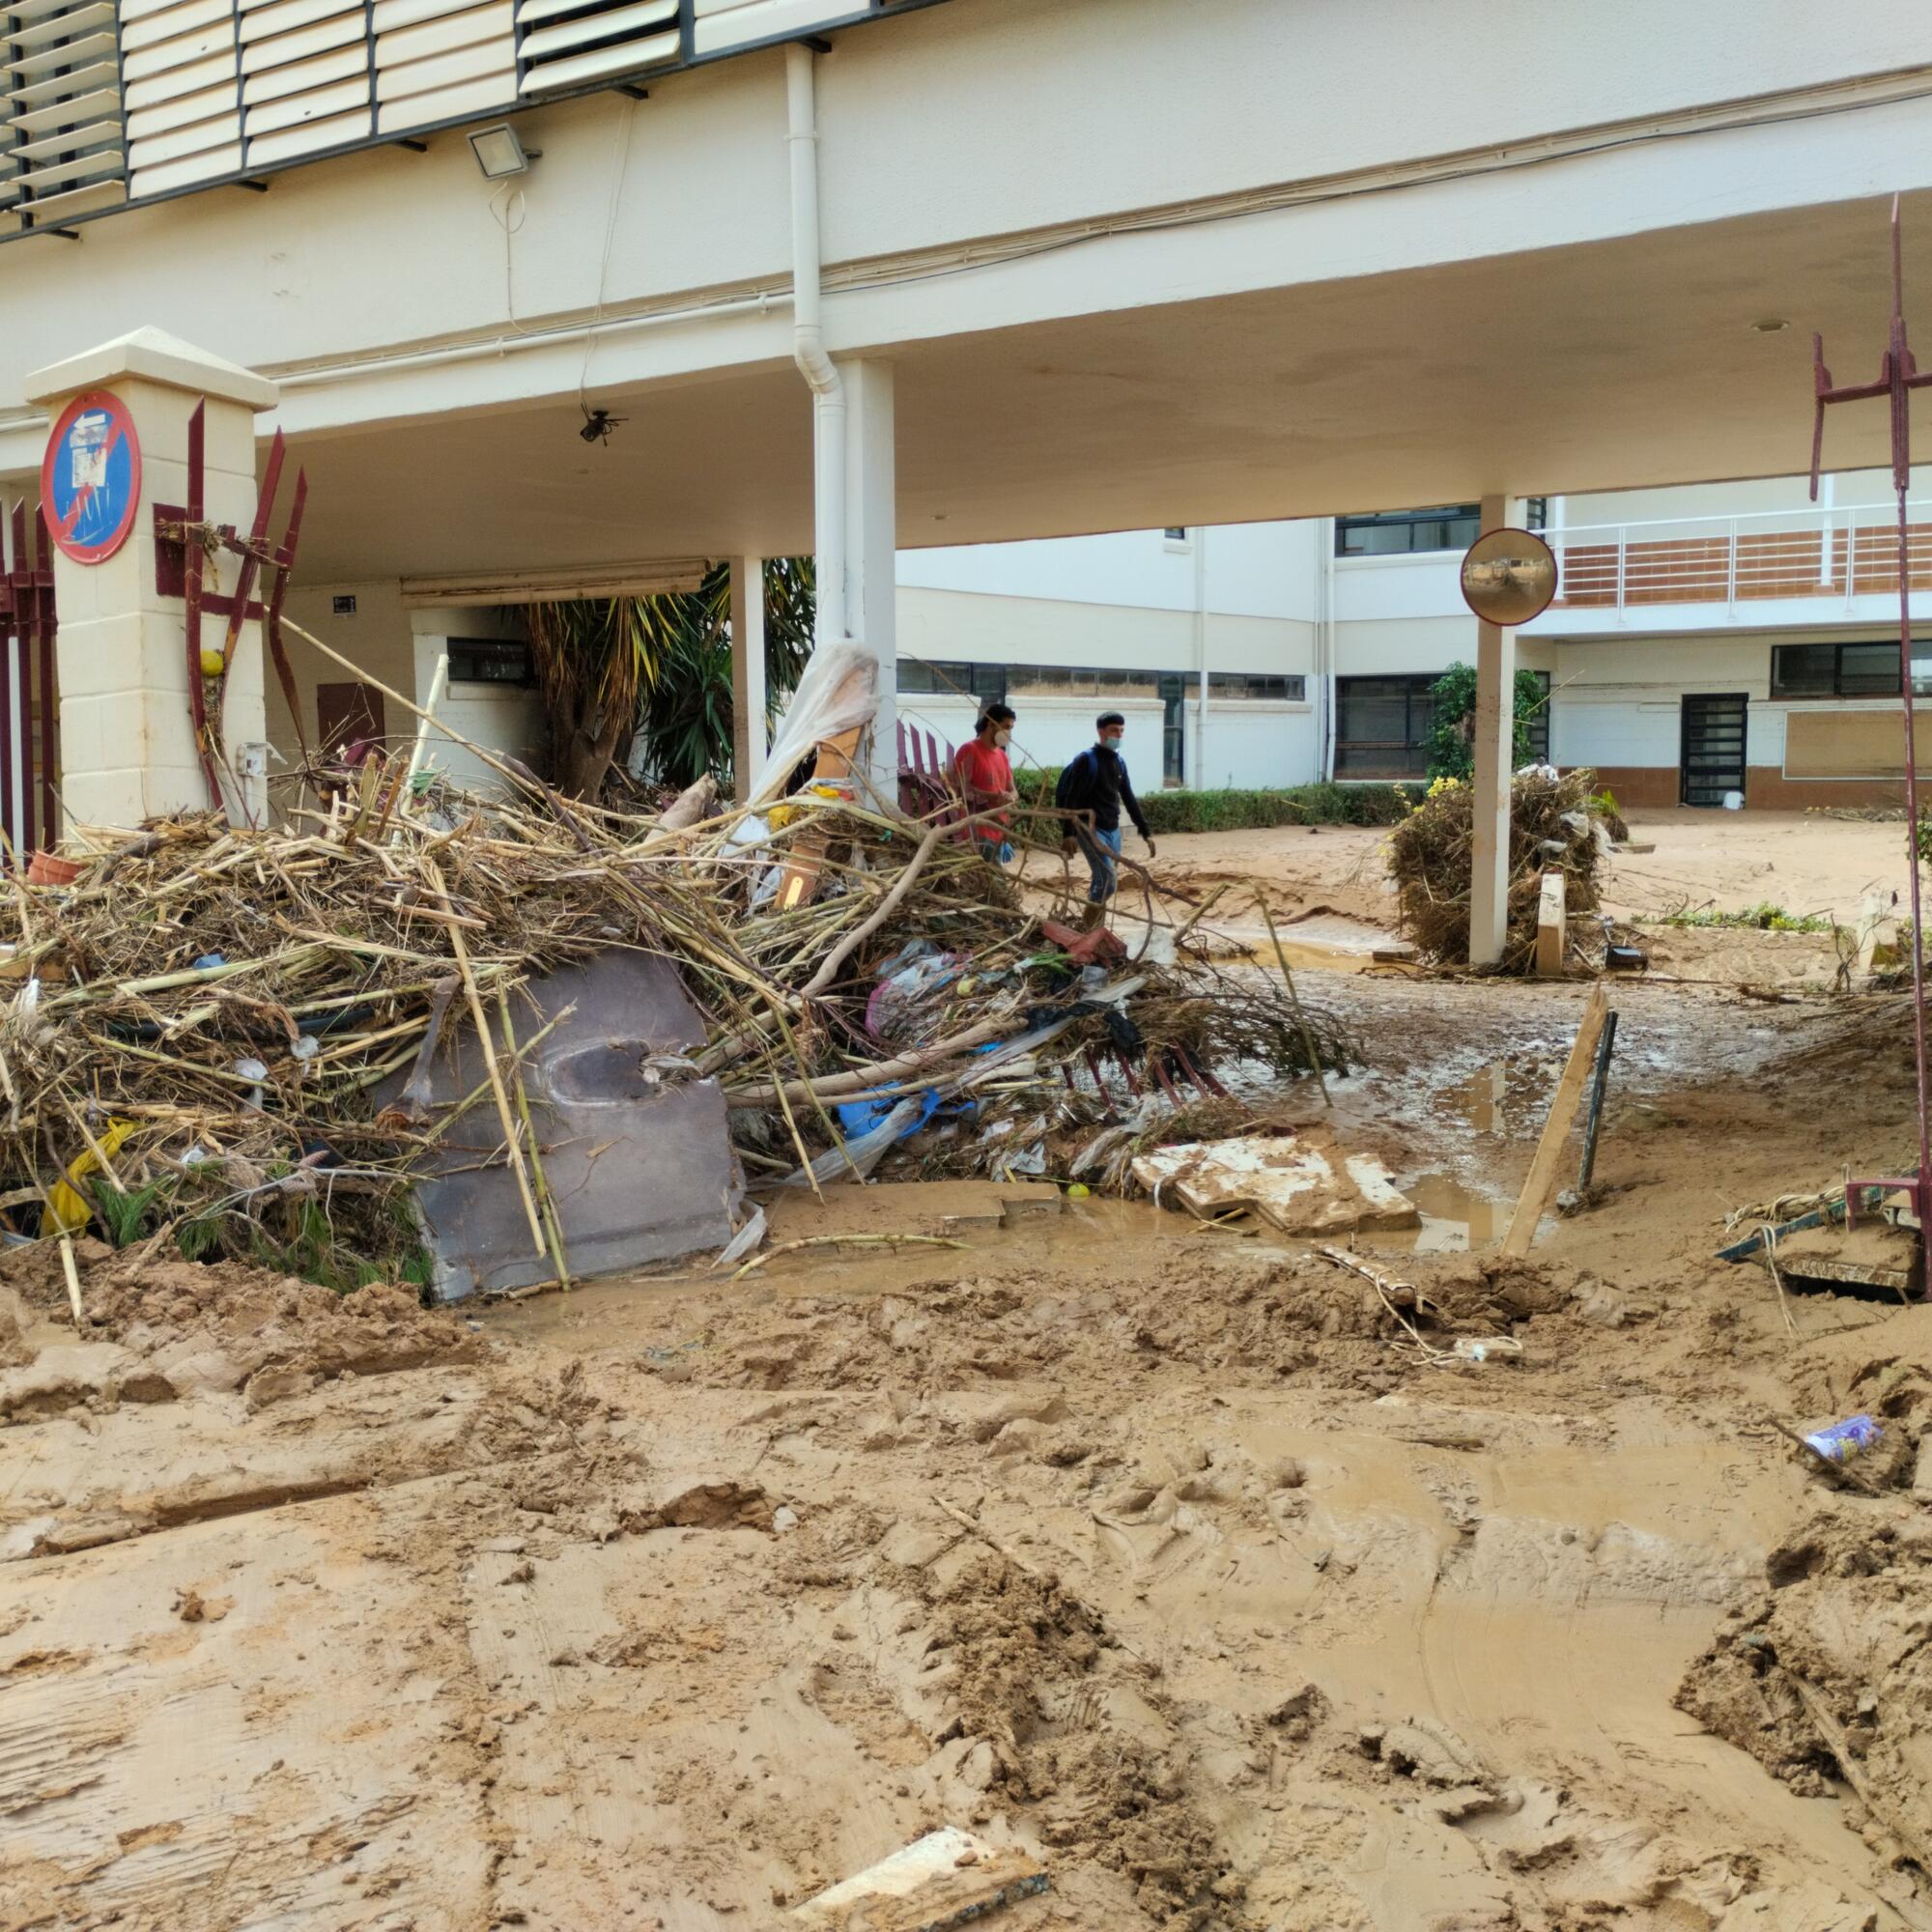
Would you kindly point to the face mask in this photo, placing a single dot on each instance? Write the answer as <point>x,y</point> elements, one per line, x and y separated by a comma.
<point>1112,741</point>
<point>1003,739</point>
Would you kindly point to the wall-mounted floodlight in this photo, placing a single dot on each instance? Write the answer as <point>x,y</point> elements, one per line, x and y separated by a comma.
<point>499,154</point>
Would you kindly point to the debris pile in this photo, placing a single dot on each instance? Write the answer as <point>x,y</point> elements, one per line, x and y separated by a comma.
<point>225,1035</point>
<point>1554,827</point>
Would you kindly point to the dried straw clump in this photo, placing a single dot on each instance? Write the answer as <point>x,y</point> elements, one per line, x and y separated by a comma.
<point>1551,829</point>
<point>197,1025</point>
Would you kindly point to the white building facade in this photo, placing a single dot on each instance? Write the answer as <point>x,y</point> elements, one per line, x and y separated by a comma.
<point>1063,630</point>
<point>562,299</point>
<point>1721,638</point>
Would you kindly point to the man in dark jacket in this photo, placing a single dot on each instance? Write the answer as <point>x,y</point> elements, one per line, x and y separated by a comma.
<point>1097,781</point>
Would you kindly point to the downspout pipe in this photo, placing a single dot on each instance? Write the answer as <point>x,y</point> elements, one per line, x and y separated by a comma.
<point>808,347</point>
<point>1330,654</point>
<point>1199,778</point>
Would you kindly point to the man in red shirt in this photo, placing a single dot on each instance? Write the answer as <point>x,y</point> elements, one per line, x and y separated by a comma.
<point>984,777</point>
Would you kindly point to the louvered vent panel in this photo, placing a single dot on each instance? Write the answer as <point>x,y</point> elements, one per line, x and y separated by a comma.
<point>723,25</point>
<point>312,138</point>
<point>183,99</point>
<point>320,71</point>
<point>306,69</point>
<point>435,62</point>
<point>104,101</point>
<point>575,46</point>
<point>62,142</point>
<point>194,77</point>
<point>386,16</point>
<point>210,164</point>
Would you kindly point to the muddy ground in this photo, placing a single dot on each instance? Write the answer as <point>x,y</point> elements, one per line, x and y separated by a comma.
<point>1162,1550</point>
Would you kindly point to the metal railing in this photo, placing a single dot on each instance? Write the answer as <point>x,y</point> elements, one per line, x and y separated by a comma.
<point>1843,553</point>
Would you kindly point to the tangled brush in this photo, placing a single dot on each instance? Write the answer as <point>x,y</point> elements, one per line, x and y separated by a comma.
<point>1552,829</point>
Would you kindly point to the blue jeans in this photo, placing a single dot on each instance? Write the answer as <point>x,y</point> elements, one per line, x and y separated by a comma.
<point>1099,862</point>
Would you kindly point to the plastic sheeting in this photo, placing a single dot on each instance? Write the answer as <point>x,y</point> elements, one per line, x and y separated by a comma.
<point>837,693</point>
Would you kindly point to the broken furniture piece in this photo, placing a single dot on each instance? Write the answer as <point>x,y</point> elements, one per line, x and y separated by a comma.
<point>1875,1253</point>
<point>639,1169</point>
<point>946,1877</point>
<point>1301,1182</point>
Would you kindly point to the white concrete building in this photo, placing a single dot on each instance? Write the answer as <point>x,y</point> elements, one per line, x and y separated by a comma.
<point>1063,630</point>
<point>1692,623</point>
<point>862,276</point>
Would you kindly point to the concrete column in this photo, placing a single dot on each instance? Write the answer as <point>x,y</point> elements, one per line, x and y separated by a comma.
<point>128,750</point>
<point>1496,745</point>
<point>871,550</point>
<point>749,736</point>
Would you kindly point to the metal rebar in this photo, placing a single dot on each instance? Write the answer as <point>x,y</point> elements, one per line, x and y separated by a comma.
<point>1598,1082</point>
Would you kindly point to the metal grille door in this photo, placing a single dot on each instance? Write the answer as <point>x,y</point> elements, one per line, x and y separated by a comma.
<point>1713,746</point>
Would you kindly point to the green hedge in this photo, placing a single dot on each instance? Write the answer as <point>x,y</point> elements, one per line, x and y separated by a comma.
<point>1248,811</point>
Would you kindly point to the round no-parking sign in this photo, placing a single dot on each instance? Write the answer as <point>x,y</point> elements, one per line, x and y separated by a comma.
<point>91,477</point>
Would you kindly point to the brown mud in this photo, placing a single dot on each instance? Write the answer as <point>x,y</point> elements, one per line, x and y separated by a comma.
<point>1170,1554</point>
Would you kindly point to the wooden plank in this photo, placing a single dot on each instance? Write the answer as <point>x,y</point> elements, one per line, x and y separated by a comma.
<point>1557,1128</point>
<point>799,881</point>
<point>1552,932</point>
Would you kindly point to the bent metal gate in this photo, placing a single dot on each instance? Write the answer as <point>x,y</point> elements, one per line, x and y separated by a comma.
<point>29,706</point>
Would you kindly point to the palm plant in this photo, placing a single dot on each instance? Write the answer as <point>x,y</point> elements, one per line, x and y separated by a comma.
<point>660,667</point>
<point>591,659</point>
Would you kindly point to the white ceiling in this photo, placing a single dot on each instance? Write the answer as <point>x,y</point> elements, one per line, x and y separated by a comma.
<point>1608,365</point>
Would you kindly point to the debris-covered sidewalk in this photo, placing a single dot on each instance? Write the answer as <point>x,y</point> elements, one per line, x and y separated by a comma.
<point>254,1044</point>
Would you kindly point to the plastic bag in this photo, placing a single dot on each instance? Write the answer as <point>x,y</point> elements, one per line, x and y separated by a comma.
<point>892,1012</point>
<point>67,1210</point>
<point>856,1159</point>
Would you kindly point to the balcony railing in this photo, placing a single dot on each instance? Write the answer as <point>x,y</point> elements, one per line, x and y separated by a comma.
<point>1841,553</point>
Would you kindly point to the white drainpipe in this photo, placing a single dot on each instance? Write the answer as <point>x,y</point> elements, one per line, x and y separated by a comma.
<point>1199,779</point>
<point>1324,649</point>
<point>808,347</point>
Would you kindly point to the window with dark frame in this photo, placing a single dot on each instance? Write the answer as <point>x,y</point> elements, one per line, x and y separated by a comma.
<point>1862,667</point>
<point>1258,688</point>
<point>1402,532</point>
<point>1538,725</point>
<point>983,683</point>
<point>1381,726</point>
<point>999,684</point>
<point>490,661</point>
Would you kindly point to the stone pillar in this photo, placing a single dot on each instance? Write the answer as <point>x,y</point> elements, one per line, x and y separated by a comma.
<point>871,552</point>
<point>128,750</point>
<point>749,736</point>
<point>1494,748</point>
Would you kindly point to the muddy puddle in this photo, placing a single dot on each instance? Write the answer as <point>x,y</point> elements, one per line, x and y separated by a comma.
<point>1328,943</point>
<point>1456,1218</point>
<point>1505,1096</point>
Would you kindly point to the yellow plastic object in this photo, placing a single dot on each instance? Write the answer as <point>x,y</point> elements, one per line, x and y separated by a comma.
<point>210,663</point>
<point>66,1210</point>
<point>781,815</point>
<point>1079,1191</point>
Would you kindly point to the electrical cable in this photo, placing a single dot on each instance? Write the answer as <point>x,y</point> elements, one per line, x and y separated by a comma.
<point>510,218</point>
<point>621,163</point>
